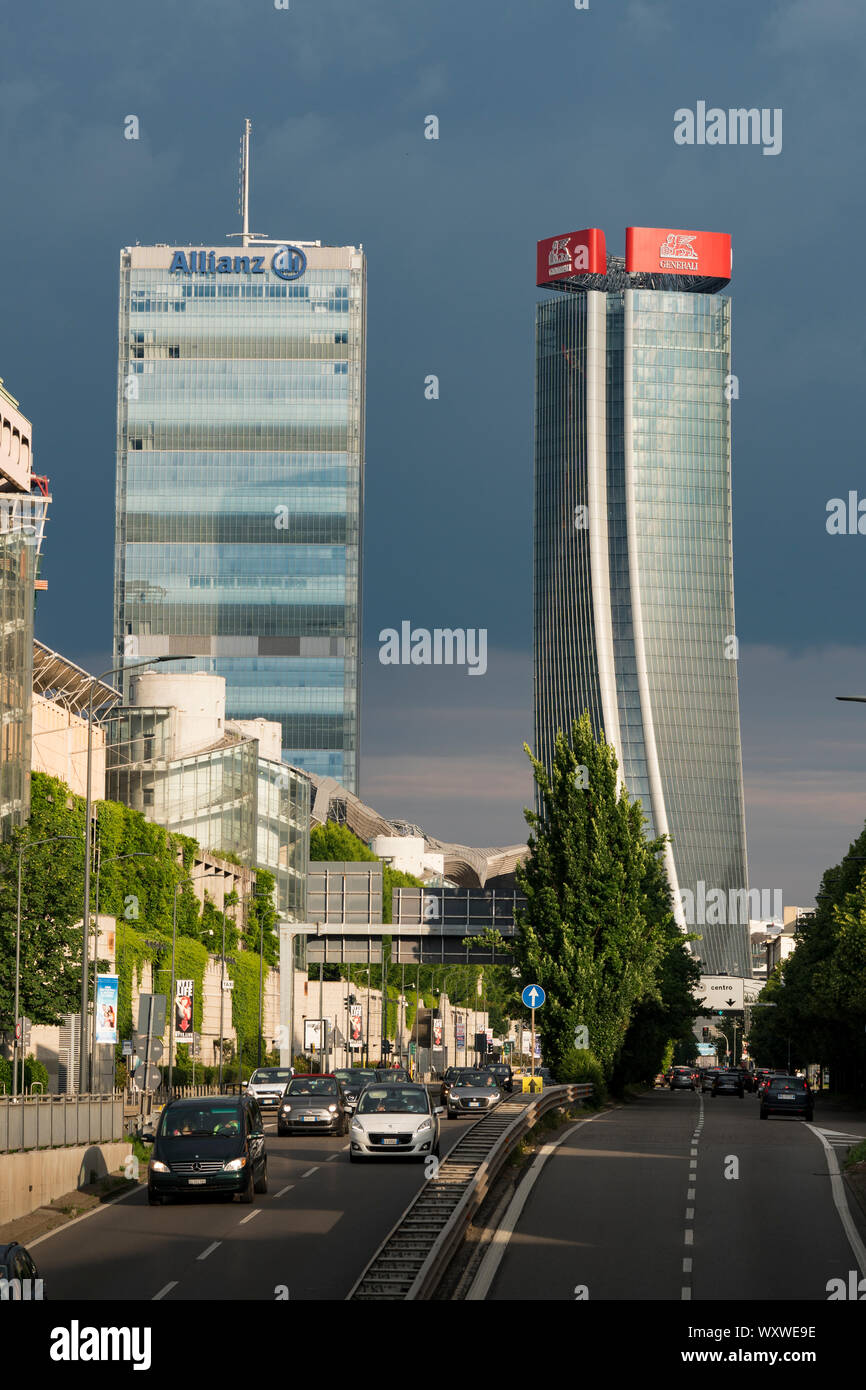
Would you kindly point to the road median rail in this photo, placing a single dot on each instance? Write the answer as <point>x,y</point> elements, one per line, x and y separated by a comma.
<point>412,1259</point>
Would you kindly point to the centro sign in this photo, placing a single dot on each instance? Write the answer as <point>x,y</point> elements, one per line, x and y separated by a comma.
<point>287,262</point>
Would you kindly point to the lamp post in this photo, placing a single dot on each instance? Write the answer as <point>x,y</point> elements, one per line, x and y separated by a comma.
<point>88,810</point>
<point>25,845</point>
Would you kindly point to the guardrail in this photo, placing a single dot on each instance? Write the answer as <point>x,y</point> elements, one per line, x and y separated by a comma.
<point>50,1122</point>
<point>413,1257</point>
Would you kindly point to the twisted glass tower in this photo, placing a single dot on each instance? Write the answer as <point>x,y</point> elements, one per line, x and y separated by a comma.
<point>240,464</point>
<point>634,596</point>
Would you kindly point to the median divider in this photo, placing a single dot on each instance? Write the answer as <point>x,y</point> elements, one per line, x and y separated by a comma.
<point>411,1261</point>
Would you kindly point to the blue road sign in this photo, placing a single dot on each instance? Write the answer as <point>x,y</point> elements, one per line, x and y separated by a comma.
<point>533,996</point>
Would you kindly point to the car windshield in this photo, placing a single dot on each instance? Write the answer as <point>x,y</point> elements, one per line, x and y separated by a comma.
<point>312,1086</point>
<point>273,1074</point>
<point>346,1078</point>
<point>394,1100</point>
<point>476,1079</point>
<point>200,1121</point>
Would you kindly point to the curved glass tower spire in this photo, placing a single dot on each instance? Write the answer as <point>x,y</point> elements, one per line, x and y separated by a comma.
<point>634,595</point>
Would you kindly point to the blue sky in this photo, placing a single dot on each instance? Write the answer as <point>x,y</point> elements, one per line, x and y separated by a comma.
<point>550,119</point>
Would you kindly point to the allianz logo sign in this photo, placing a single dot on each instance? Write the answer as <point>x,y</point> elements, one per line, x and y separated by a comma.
<point>287,262</point>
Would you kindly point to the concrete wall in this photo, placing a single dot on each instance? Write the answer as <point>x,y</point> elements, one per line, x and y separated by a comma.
<point>31,1180</point>
<point>60,748</point>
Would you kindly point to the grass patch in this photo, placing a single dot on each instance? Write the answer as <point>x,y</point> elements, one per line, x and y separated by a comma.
<point>856,1155</point>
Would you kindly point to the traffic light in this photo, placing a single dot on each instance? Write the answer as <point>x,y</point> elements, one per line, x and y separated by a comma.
<point>705,1034</point>
<point>386,1047</point>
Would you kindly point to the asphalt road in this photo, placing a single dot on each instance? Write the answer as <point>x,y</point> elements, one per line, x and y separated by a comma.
<point>312,1234</point>
<point>636,1204</point>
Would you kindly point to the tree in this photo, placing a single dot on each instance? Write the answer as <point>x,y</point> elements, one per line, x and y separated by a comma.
<point>584,934</point>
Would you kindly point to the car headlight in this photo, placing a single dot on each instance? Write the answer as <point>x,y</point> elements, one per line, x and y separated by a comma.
<point>332,1109</point>
<point>234,1165</point>
<point>285,1109</point>
<point>425,1124</point>
<point>156,1165</point>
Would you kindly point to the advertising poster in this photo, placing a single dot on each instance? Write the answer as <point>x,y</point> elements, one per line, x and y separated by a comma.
<point>183,1020</point>
<point>106,1009</point>
<point>461,1035</point>
<point>437,1032</point>
<point>356,1030</point>
<point>313,1034</point>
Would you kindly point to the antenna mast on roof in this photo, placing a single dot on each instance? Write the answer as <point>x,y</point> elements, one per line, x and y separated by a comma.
<point>244,189</point>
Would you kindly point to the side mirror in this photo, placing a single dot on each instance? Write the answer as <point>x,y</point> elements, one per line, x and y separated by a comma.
<point>438,1109</point>
<point>147,1136</point>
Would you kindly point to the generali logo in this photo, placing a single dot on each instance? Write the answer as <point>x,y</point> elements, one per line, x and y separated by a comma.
<point>677,252</point>
<point>563,261</point>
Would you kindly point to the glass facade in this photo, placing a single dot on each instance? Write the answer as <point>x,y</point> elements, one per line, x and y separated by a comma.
<point>634,606</point>
<point>240,485</point>
<point>17,575</point>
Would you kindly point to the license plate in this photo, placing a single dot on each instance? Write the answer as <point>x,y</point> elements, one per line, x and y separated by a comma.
<point>474,1104</point>
<point>310,1119</point>
<point>784,1097</point>
<point>389,1141</point>
<point>197,1181</point>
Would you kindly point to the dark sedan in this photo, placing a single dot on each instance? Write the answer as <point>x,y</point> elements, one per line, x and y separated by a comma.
<point>313,1101</point>
<point>504,1075</point>
<point>682,1079</point>
<point>352,1082</point>
<point>787,1095</point>
<point>728,1083</point>
<point>392,1074</point>
<point>448,1080</point>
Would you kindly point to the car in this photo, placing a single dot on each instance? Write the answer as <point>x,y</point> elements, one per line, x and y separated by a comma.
<point>267,1084</point>
<point>474,1091</point>
<point>728,1083</point>
<point>504,1076</point>
<point>787,1095</point>
<point>394,1121</point>
<point>16,1262</point>
<point>546,1075</point>
<point>682,1078</point>
<point>392,1074</point>
<point>708,1075</point>
<point>352,1082</point>
<point>208,1144</point>
<point>450,1076</point>
<point>313,1101</point>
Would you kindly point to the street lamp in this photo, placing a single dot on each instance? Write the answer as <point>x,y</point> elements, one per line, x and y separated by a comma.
<point>88,809</point>
<point>25,845</point>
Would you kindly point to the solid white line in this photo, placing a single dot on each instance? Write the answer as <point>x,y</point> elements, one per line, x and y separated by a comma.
<point>837,1187</point>
<point>286,1189</point>
<point>103,1206</point>
<point>211,1248</point>
<point>162,1293</point>
<point>257,1212</point>
<point>310,1172</point>
<point>690,1238</point>
<point>503,1233</point>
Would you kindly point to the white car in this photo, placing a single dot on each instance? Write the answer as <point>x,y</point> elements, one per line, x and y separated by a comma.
<point>473,1092</point>
<point>268,1085</point>
<point>394,1118</point>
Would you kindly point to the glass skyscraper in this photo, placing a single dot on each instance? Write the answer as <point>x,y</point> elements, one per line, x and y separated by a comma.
<point>634,598</point>
<point>240,466</point>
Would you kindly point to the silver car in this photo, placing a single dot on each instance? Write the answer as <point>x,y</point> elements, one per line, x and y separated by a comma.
<point>268,1085</point>
<point>473,1093</point>
<point>394,1119</point>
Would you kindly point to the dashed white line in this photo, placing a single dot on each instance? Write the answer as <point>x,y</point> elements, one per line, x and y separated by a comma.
<point>690,1213</point>
<point>690,1195</point>
<point>211,1248</point>
<point>690,1238</point>
<point>685,1293</point>
<point>286,1189</point>
<point>687,1264</point>
<point>257,1212</point>
<point>310,1171</point>
<point>331,1158</point>
<point>162,1293</point>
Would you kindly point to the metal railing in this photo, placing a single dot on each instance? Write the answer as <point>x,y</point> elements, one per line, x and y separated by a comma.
<point>49,1122</point>
<point>411,1261</point>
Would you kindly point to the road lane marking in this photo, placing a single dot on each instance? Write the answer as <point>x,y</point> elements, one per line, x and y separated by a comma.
<point>840,1201</point>
<point>690,1238</point>
<point>211,1248</point>
<point>331,1158</point>
<point>495,1251</point>
<point>687,1264</point>
<point>690,1213</point>
<point>257,1212</point>
<point>162,1293</point>
<point>685,1293</point>
<point>690,1195</point>
<point>310,1171</point>
<point>103,1206</point>
<point>286,1189</point>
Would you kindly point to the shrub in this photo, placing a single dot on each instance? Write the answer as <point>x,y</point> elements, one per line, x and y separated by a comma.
<point>579,1065</point>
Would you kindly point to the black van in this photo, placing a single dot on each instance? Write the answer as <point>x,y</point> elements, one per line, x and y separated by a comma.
<point>208,1144</point>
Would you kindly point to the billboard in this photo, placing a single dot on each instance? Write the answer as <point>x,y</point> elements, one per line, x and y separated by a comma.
<point>106,1009</point>
<point>662,251</point>
<point>728,992</point>
<point>183,1021</point>
<point>356,1027</point>
<point>437,1031</point>
<point>576,253</point>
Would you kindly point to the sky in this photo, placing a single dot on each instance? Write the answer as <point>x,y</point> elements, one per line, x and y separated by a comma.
<point>550,118</point>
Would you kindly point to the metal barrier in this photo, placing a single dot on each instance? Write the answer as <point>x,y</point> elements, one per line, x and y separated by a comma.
<point>49,1122</point>
<point>414,1256</point>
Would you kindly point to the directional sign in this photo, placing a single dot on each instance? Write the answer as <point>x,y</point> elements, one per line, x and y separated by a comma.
<point>533,996</point>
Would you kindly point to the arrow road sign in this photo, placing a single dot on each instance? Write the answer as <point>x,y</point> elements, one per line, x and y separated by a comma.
<point>533,996</point>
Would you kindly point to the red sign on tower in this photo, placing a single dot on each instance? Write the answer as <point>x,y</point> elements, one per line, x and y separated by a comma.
<point>576,253</point>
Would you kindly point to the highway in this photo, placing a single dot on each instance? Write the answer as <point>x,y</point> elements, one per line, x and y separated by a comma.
<point>636,1204</point>
<point>309,1237</point>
